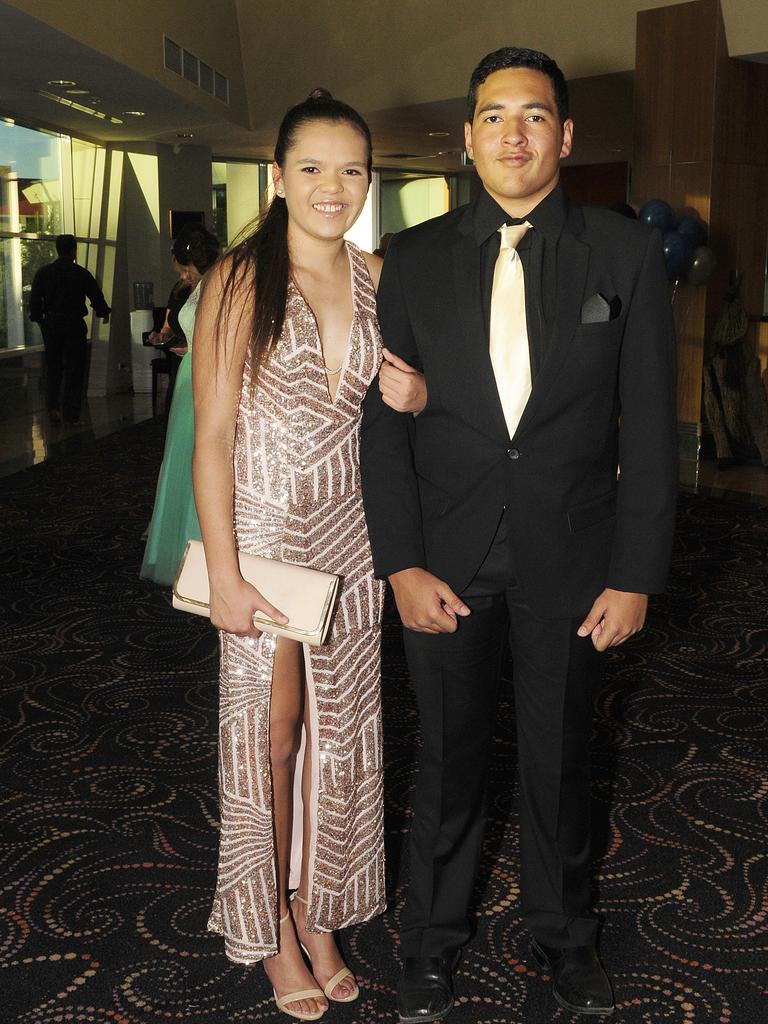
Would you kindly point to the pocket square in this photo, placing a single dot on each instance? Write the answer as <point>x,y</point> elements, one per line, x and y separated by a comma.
<point>599,310</point>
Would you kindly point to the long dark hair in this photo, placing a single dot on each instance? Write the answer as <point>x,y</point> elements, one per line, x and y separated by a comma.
<point>261,262</point>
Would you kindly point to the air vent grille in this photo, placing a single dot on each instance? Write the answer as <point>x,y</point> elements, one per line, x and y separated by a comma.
<point>186,65</point>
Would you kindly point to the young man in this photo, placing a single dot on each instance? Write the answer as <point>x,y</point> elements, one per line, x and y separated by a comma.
<point>57,303</point>
<point>544,332</point>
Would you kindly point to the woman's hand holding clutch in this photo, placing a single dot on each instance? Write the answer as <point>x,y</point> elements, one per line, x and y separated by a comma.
<point>234,605</point>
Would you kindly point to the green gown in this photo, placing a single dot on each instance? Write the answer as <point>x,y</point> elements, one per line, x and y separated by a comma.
<point>174,518</point>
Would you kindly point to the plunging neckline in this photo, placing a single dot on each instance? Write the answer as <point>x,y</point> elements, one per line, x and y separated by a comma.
<point>332,398</point>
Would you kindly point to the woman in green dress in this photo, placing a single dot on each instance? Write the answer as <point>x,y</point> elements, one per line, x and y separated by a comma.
<point>174,519</point>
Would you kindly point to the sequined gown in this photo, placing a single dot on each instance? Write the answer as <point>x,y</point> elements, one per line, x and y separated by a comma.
<point>297,497</point>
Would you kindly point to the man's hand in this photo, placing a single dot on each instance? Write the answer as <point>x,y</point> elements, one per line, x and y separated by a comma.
<point>402,388</point>
<point>615,616</point>
<point>425,603</point>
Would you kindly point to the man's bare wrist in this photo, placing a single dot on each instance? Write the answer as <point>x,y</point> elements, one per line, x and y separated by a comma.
<point>402,575</point>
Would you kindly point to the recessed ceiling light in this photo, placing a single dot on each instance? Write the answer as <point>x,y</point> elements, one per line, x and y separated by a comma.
<point>134,113</point>
<point>438,135</point>
<point>185,135</point>
<point>77,92</point>
<point>61,81</point>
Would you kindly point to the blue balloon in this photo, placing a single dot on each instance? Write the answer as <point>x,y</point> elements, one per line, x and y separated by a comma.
<point>694,229</point>
<point>678,255</point>
<point>703,265</point>
<point>658,214</point>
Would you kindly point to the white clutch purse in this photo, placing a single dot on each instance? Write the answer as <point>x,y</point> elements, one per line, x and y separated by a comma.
<point>307,596</point>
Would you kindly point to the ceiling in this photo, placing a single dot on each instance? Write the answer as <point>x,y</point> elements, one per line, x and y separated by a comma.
<point>426,136</point>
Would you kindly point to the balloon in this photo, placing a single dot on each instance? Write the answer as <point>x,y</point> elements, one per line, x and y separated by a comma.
<point>678,255</point>
<point>703,265</point>
<point>694,229</point>
<point>658,214</point>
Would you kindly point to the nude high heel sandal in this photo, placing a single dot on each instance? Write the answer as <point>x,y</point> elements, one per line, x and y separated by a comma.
<point>293,997</point>
<point>339,976</point>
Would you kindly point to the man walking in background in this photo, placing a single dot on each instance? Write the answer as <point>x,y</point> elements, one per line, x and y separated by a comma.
<point>544,332</point>
<point>57,303</point>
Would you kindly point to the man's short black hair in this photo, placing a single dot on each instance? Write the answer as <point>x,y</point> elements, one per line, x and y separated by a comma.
<point>518,57</point>
<point>66,245</point>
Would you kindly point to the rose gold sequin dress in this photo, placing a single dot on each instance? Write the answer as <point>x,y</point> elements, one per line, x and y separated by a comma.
<point>297,498</point>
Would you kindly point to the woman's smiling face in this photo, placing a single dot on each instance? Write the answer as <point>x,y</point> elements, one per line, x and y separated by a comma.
<point>324,178</point>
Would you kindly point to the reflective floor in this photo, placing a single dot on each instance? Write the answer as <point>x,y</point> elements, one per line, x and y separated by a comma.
<point>27,435</point>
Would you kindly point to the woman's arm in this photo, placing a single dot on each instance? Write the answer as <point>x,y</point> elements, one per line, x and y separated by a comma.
<point>221,342</point>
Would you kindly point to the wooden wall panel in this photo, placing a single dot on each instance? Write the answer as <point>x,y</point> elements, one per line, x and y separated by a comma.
<point>701,141</point>
<point>689,311</point>
<point>698,29</point>
<point>691,188</point>
<point>759,335</point>
<point>596,184</point>
<point>743,91</point>
<point>654,88</point>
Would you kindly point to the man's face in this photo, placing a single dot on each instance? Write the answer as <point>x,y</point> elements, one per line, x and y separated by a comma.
<point>516,139</point>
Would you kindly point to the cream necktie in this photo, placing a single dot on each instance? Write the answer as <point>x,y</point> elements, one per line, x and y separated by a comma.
<point>510,356</point>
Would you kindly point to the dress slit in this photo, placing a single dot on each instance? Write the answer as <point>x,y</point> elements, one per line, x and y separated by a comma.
<point>297,834</point>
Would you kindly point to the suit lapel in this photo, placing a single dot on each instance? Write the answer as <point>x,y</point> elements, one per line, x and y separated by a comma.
<point>572,265</point>
<point>478,381</point>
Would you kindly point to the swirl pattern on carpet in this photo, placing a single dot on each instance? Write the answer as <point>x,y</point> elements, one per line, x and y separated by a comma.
<point>108,707</point>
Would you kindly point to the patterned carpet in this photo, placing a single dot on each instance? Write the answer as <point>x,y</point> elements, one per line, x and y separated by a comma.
<point>108,705</point>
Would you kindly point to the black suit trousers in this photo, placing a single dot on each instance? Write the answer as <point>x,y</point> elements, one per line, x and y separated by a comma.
<point>456,681</point>
<point>66,357</point>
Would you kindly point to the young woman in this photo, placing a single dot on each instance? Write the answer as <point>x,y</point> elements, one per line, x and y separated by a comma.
<point>286,344</point>
<point>174,519</point>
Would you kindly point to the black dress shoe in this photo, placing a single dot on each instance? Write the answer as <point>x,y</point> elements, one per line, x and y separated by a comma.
<point>425,990</point>
<point>579,982</point>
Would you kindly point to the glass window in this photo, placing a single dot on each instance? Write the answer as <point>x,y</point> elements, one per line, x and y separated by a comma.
<point>30,180</point>
<point>238,190</point>
<point>87,178</point>
<point>31,203</point>
<point>409,198</point>
<point>363,232</point>
<point>49,185</point>
<point>20,259</point>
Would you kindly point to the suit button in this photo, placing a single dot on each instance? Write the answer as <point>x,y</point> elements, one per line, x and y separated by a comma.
<point>513,453</point>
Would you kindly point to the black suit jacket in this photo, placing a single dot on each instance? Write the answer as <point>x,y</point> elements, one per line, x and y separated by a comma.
<point>59,291</point>
<point>434,486</point>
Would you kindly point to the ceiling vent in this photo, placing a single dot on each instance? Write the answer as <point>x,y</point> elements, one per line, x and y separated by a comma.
<point>186,65</point>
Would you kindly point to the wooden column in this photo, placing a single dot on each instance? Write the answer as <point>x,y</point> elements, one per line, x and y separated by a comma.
<point>701,142</point>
